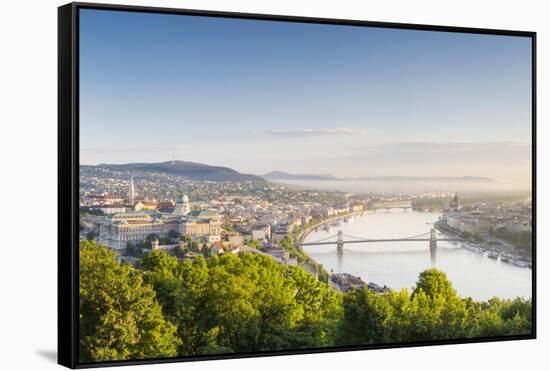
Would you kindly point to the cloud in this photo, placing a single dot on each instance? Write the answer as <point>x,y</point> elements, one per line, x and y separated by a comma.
<point>302,133</point>
<point>457,147</point>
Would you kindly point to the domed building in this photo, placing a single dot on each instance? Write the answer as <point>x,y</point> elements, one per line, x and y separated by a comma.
<point>182,205</point>
<point>134,227</point>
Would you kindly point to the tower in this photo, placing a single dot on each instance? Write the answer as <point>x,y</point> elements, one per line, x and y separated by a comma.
<point>340,243</point>
<point>182,205</point>
<point>455,203</point>
<point>132,192</point>
<point>433,245</point>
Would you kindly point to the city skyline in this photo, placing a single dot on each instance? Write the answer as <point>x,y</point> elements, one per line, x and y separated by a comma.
<point>259,96</point>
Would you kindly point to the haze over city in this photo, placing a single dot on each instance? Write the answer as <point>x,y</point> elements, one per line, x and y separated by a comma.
<point>303,98</point>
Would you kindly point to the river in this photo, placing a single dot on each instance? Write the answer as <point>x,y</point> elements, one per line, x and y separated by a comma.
<point>397,264</point>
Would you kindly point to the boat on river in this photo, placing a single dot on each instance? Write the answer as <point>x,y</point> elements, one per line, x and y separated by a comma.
<point>493,255</point>
<point>474,248</point>
<point>522,264</point>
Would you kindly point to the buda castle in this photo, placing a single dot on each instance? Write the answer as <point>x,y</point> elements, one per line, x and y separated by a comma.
<point>135,226</point>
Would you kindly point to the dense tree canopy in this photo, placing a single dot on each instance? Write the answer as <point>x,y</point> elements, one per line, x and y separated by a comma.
<point>433,311</point>
<point>245,303</point>
<point>120,317</point>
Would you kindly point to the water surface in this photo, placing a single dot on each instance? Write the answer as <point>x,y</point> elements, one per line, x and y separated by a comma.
<point>397,264</point>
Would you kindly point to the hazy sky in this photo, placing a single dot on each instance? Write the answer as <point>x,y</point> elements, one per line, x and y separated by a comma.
<point>259,96</point>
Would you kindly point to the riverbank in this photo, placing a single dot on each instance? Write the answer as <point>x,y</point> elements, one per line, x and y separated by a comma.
<point>493,247</point>
<point>302,235</point>
<point>309,264</point>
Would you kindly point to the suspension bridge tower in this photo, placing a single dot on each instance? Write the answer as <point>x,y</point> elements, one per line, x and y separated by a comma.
<point>340,243</point>
<point>433,245</point>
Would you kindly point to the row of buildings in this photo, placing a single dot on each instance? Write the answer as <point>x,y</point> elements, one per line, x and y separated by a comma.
<point>484,221</point>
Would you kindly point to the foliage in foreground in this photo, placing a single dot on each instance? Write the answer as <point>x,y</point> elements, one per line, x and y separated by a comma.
<point>120,317</point>
<point>249,303</point>
<point>243,304</point>
<point>433,311</point>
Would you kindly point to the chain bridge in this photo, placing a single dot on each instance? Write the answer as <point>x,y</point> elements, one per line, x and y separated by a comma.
<point>430,237</point>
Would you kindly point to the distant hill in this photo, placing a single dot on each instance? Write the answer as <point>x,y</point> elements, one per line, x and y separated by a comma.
<point>280,175</point>
<point>191,170</point>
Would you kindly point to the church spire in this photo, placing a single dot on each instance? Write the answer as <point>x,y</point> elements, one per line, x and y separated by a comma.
<point>132,192</point>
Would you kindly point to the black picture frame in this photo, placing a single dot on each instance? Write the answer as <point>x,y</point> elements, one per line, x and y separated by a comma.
<point>68,179</point>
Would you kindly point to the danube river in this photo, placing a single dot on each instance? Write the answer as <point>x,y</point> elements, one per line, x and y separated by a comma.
<point>397,264</point>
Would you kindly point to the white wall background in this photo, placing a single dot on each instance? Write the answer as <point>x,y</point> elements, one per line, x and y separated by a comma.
<point>28,181</point>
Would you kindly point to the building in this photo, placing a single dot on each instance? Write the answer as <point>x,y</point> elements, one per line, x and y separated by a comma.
<point>306,219</point>
<point>136,226</point>
<point>167,207</point>
<point>483,228</point>
<point>261,232</point>
<point>357,207</point>
<point>455,204</point>
<point>182,205</point>
<point>202,223</point>
<point>129,227</point>
<point>132,192</point>
<point>112,200</point>
<point>346,282</point>
<point>328,212</point>
<point>145,205</point>
<point>232,239</point>
<point>111,209</point>
<point>341,209</point>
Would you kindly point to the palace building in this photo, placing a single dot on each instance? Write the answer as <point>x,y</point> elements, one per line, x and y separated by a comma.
<point>129,227</point>
<point>203,223</point>
<point>135,226</point>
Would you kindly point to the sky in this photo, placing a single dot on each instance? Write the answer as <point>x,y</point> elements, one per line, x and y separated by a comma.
<point>259,96</point>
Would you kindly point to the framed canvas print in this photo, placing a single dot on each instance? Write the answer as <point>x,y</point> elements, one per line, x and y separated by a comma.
<point>241,185</point>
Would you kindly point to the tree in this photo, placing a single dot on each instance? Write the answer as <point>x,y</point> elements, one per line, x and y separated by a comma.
<point>251,302</point>
<point>322,311</point>
<point>181,250</point>
<point>255,244</point>
<point>248,302</point>
<point>180,289</point>
<point>173,234</point>
<point>243,303</point>
<point>365,316</point>
<point>120,317</point>
<point>434,283</point>
<point>193,246</point>
<point>433,311</point>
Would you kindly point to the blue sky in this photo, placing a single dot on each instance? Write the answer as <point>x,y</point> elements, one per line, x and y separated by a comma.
<point>304,98</point>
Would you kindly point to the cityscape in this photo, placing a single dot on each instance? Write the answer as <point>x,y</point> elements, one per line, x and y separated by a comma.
<point>136,212</point>
<point>334,186</point>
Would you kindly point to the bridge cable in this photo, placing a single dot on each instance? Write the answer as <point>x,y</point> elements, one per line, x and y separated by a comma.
<point>397,238</point>
<point>323,239</point>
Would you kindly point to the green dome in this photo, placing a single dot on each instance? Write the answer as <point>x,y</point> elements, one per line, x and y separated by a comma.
<point>182,199</point>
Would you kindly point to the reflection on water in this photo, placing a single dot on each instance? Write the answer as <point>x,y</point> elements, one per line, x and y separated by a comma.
<point>397,264</point>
